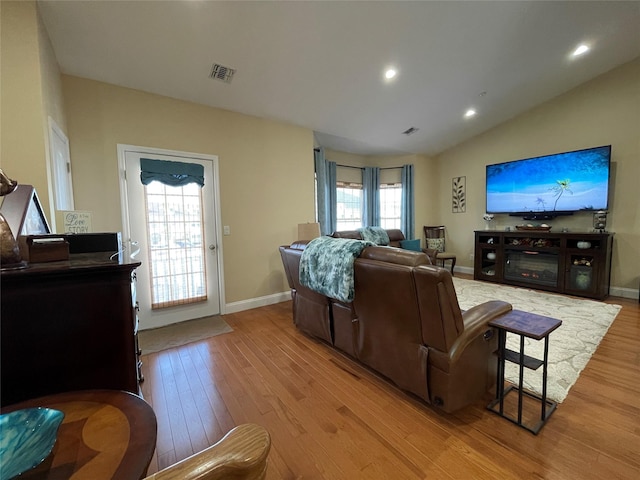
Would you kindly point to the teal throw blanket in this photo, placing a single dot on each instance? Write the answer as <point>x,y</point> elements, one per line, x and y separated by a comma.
<point>326,266</point>
<point>377,235</point>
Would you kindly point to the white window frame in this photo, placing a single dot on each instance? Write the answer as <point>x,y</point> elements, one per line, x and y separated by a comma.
<point>348,217</point>
<point>391,205</point>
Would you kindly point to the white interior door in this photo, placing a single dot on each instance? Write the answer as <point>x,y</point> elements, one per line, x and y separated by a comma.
<point>176,232</point>
<point>61,167</point>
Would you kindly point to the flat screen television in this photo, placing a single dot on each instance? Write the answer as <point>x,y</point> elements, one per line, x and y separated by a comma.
<point>551,185</point>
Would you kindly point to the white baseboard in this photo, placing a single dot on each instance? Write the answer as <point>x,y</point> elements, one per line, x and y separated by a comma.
<point>285,296</point>
<point>468,270</point>
<point>623,292</point>
<point>613,291</point>
<point>257,302</point>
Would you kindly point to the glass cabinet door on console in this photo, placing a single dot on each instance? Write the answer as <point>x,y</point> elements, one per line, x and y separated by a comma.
<point>488,257</point>
<point>584,258</point>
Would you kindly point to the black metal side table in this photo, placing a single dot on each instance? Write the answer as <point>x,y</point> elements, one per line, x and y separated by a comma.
<point>532,326</point>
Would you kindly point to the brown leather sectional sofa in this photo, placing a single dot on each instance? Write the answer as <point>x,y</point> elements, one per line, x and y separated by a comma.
<point>405,323</point>
<point>395,236</point>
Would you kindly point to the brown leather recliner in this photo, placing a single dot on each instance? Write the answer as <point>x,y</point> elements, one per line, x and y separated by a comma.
<point>406,324</point>
<point>387,328</point>
<point>462,364</point>
<point>312,312</point>
<point>310,309</point>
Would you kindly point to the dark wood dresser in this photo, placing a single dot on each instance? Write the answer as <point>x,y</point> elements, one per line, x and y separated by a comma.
<point>68,325</point>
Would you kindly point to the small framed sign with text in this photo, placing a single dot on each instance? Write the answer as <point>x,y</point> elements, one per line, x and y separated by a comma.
<point>76,221</point>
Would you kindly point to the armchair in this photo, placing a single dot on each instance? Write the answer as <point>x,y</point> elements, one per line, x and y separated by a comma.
<point>435,246</point>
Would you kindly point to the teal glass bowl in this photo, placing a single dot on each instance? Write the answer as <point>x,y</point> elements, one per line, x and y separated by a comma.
<point>26,439</point>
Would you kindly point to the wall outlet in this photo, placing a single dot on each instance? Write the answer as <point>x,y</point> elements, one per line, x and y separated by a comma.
<point>226,230</point>
<point>471,256</point>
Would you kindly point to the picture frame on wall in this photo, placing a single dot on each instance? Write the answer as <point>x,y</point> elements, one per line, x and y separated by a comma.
<point>459,194</point>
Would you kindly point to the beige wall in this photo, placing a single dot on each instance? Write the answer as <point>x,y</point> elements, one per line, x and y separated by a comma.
<point>603,111</point>
<point>22,154</point>
<point>266,168</point>
<point>266,171</point>
<point>30,93</point>
<point>53,103</point>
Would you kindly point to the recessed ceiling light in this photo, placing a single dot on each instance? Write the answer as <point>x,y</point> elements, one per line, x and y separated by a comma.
<point>469,113</point>
<point>580,50</point>
<point>390,73</point>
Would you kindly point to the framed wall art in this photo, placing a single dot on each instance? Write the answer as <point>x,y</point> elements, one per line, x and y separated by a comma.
<point>459,194</point>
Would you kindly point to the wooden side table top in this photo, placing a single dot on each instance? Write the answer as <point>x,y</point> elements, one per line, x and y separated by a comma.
<point>528,324</point>
<point>105,434</point>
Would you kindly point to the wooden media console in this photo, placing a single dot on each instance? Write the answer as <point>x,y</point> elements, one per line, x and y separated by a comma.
<point>572,263</point>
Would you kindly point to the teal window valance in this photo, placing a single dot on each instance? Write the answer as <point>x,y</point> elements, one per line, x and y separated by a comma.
<point>175,174</point>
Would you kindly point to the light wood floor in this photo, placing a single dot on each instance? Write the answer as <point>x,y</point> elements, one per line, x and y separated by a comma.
<point>331,418</point>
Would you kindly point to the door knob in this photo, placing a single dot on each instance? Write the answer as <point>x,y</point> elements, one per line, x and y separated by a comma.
<point>212,247</point>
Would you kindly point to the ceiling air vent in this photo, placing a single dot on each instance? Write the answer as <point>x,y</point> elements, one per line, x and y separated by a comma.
<point>222,73</point>
<point>410,131</point>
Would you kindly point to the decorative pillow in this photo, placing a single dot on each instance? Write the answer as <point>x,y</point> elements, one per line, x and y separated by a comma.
<point>411,245</point>
<point>436,244</point>
<point>377,235</point>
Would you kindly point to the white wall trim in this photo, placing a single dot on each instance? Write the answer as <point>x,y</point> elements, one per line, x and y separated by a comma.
<point>242,305</point>
<point>624,292</point>
<point>468,270</point>
<point>257,302</point>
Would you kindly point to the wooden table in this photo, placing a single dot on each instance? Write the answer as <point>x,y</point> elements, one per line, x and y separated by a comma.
<point>533,326</point>
<point>105,434</point>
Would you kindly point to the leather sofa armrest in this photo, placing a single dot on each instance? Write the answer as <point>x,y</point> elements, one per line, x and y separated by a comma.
<point>395,237</point>
<point>394,255</point>
<point>241,453</point>
<point>299,244</point>
<point>475,322</point>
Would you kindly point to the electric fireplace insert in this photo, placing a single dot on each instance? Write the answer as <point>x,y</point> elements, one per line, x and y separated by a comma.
<point>531,267</point>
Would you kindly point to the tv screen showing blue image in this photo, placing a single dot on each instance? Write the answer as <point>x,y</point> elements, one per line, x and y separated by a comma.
<point>562,182</point>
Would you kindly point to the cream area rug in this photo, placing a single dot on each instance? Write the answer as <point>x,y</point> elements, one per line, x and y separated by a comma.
<point>584,324</point>
<point>178,334</point>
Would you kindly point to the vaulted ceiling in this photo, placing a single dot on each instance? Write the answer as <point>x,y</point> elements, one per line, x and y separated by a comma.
<point>321,64</point>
